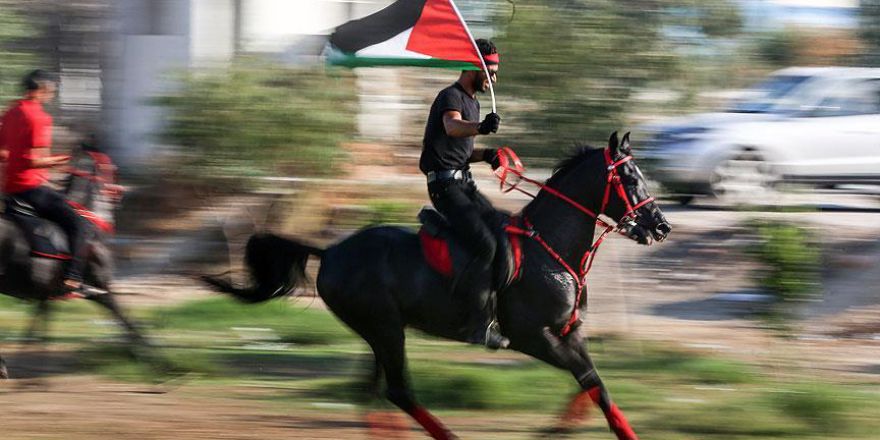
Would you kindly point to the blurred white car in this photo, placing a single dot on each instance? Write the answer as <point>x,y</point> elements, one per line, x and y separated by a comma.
<point>818,126</point>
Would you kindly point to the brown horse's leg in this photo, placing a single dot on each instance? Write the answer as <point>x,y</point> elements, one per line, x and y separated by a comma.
<point>107,301</point>
<point>39,326</point>
<point>573,355</point>
<point>4,373</point>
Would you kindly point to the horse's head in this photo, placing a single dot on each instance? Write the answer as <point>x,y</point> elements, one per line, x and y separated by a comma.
<point>629,201</point>
<point>91,186</point>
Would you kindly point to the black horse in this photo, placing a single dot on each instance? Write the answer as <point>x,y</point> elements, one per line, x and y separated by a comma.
<point>378,282</point>
<point>32,269</point>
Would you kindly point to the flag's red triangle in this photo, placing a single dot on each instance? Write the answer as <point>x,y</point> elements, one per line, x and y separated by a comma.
<point>440,34</point>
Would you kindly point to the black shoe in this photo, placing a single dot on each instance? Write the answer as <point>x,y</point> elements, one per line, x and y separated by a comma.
<point>490,337</point>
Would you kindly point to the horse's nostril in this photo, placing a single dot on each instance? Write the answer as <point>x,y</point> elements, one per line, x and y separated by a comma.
<point>664,228</point>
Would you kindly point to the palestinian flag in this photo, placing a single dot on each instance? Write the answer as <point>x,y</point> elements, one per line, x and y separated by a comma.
<point>427,33</point>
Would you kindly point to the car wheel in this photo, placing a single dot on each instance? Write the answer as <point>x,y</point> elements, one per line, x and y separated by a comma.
<point>744,179</point>
<point>684,200</point>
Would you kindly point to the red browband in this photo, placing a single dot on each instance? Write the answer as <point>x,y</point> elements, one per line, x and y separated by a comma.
<point>491,58</point>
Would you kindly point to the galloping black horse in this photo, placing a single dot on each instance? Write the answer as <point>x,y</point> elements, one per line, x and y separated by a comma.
<point>29,274</point>
<point>378,282</point>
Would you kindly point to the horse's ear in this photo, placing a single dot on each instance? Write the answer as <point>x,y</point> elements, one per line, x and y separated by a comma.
<point>625,147</point>
<point>613,143</point>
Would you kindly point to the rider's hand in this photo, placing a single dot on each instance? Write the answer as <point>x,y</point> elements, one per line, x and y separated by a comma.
<point>491,157</point>
<point>490,124</point>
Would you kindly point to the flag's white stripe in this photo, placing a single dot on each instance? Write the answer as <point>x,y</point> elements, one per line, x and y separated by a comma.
<point>392,48</point>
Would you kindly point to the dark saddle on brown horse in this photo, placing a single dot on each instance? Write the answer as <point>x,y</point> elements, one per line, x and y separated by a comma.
<point>46,239</point>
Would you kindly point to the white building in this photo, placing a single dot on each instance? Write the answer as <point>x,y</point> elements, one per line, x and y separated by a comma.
<point>155,38</point>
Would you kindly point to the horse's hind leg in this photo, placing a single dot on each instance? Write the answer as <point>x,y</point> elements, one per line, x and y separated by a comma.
<point>388,346</point>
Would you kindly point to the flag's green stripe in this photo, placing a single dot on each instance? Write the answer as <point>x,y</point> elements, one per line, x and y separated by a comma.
<point>349,60</point>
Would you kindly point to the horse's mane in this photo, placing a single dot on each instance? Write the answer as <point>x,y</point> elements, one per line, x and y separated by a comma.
<point>581,153</point>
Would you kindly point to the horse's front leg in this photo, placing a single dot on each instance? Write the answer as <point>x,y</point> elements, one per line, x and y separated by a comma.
<point>4,373</point>
<point>39,326</point>
<point>570,353</point>
<point>106,300</point>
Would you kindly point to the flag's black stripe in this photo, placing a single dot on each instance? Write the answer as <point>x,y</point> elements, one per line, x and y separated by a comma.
<point>376,28</point>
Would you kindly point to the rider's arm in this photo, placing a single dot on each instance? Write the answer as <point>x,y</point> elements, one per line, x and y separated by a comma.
<point>455,126</point>
<point>41,139</point>
<point>39,161</point>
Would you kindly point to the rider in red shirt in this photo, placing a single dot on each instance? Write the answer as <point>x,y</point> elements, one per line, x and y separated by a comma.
<point>25,138</point>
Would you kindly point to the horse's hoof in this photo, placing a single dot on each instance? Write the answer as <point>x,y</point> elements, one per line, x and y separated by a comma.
<point>4,373</point>
<point>558,431</point>
<point>387,425</point>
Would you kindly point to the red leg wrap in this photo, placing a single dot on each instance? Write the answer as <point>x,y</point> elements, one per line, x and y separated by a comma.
<point>431,424</point>
<point>595,394</point>
<point>619,424</point>
<point>616,419</point>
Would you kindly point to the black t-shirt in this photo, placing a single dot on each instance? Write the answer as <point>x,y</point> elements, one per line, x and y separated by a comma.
<point>439,150</point>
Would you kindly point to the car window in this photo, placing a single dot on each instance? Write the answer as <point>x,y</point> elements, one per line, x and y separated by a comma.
<point>857,97</point>
<point>765,95</point>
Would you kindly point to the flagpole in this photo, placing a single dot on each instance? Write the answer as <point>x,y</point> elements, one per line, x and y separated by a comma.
<point>479,55</point>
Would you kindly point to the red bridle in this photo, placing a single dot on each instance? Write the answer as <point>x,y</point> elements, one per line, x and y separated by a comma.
<point>508,157</point>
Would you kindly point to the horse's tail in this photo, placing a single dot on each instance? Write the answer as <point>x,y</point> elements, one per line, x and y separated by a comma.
<point>276,265</point>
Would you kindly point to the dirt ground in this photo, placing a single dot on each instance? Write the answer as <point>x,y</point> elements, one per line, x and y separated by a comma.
<point>91,408</point>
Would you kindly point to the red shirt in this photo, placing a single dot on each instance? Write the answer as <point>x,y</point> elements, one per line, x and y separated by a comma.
<point>25,126</point>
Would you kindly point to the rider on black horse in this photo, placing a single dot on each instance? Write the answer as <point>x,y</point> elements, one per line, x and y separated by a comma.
<point>25,140</point>
<point>448,148</point>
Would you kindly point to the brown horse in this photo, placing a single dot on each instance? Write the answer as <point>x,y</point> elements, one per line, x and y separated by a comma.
<point>32,269</point>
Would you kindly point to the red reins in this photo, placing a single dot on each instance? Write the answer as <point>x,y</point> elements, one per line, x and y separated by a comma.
<point>508,157</point>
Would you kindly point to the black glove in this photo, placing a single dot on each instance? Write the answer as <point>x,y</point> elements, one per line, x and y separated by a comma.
<point>490,124</point>
<point>490,156</point>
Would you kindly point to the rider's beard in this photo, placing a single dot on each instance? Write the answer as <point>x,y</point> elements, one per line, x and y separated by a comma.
<point>480,84</point>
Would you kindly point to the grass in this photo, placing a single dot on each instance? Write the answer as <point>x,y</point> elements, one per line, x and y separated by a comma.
<point>300,355</point>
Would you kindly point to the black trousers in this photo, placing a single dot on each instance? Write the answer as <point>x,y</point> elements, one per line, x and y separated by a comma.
<point>466,210</point>
<point>52,205</point>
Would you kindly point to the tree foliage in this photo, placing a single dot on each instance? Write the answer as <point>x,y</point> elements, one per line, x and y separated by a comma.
<point>779,48</point>
<point>570,67</point>
<point>14,62</point>
<point>718,18</point>
<point>253,119</point>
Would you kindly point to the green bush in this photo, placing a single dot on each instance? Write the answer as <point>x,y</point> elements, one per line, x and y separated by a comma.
<point>256,118</point>
<point>821,409</point>
<point>15,26</point>
<point>790,261</point>
<point>391,211</point>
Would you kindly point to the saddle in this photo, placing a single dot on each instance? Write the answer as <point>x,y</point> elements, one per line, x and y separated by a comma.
<point>448,257</point>
<point>46,239</point>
